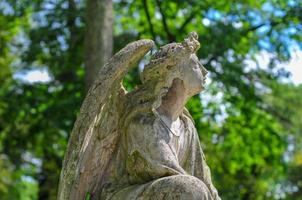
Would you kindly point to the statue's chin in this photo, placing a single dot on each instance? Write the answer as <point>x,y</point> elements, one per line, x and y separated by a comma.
<point>201,87</point>
<point>201,90</point>
<point>197,91</point>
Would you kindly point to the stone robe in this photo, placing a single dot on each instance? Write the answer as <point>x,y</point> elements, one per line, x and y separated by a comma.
<point>153,163</point>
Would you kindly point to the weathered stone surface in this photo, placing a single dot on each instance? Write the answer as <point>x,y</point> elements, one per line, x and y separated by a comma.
<point>142,144</point>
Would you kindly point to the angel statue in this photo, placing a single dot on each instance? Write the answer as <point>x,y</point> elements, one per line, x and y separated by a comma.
<point>140,145</point>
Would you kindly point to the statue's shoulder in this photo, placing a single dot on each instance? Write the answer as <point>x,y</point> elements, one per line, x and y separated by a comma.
<point>143,120</point>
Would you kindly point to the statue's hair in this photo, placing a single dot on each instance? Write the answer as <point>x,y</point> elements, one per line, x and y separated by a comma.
<point>158,75</point>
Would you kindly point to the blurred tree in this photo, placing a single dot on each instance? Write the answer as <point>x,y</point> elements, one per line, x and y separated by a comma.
<point>11,183</point>
<point>37,117</point>
<point>99,37</point>
<point>285,102</point>
<point>243,127</point>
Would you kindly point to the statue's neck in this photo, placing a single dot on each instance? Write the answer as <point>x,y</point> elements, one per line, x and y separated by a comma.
<point>174,101</point>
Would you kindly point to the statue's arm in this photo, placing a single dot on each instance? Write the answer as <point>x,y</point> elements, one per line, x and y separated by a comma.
<point>149,155</point>
<point>208,181</point>
<point>206,173</point>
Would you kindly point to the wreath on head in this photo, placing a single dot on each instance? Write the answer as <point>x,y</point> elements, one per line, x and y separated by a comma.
<point>167,57</point>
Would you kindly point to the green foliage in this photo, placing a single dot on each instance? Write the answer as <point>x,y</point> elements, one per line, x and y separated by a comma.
<point>36,118</point>
<point>13,183</point>
<point>285,102</point>
<point>255,149</point>
<point>245,119</point>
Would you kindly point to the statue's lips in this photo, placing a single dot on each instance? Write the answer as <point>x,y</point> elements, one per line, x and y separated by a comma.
<point>204,80</point>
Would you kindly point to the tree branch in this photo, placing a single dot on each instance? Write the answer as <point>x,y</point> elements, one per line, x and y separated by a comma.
<point>170,36</point>
<point>145,4</point>
<point>272,24</point>
<point>187,21</point>
<point>254,28</point>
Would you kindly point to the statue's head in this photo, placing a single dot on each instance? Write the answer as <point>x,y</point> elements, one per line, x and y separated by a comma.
<point>175,60</point>
<point>172,61</point>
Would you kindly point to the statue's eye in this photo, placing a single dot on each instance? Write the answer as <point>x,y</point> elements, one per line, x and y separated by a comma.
<point>196,66</point>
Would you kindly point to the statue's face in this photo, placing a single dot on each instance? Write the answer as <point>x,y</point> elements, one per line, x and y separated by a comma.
<point>194,75</point>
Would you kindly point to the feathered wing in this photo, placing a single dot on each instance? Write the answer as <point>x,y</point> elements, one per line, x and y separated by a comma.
<point>94,135</point>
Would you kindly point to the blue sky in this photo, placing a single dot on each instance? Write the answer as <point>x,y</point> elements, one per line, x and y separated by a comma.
<point>294,65</point>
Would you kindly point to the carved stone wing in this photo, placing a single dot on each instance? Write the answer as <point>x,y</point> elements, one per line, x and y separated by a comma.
<point>94,134</point>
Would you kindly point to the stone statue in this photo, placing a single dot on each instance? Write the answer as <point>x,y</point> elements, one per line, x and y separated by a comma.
<point>142,144</point>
